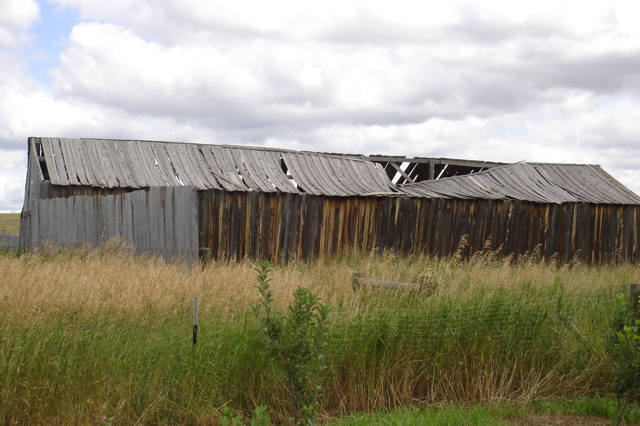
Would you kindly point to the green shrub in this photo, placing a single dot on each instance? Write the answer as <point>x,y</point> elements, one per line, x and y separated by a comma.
<point>296,340</point>
<point>623,347</point>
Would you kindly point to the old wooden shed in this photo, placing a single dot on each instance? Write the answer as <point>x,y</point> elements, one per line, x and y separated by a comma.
<point>172,199</point>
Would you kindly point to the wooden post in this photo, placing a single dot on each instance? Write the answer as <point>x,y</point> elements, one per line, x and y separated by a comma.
<point>634,295</point>
<point>425,283</point>
<point>195,321</point>
<point>205,256</point>
<point>355,280</point>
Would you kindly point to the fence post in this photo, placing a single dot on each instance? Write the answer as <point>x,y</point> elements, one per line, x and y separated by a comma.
<point>195,321</point>
<point>355,279</point>
<point>634,295</point>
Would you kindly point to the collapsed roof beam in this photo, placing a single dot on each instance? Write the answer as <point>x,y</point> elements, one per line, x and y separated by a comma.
<point>436,166</point>
<point>402,173</point>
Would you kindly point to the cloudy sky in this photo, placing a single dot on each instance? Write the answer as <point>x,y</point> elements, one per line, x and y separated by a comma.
<point>550,81</point>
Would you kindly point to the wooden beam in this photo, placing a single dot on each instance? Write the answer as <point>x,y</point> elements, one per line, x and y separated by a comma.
<point>404,175</point>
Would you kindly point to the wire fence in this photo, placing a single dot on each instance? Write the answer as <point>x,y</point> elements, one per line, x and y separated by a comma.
<point>583,318</point>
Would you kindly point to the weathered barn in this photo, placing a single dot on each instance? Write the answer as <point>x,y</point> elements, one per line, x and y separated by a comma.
<point>173,199</point>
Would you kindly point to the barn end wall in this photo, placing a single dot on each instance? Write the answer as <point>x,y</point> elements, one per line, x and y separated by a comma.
<point>159,221</point>
<point>283,227</point>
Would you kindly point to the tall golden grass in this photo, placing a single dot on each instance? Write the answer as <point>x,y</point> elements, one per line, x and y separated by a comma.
<point>391,348</point>
<point>112,277</point>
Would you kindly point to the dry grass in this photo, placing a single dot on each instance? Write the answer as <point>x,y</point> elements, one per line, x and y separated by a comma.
<point>374,364</point>
<point>10,223</point>
<point>113,278</point>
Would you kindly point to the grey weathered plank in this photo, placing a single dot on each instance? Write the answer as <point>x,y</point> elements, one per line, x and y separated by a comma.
<point>106,164</point>
<point>321,170</point>
<point>96,163</point>
<point>71,222</point>
<point>202,168</point>
<point>79,218</point>
<point>72,164</point>
<point>271,162</point>
<point>356,182</point>
<point>169,223</point>
<point>173,159</point>
<point>312,175</point>
<point>84,158</point>
<point>166,168</point>
<point>122,164</point>
<point>188,168</point>
<point>141,221</point>
<point>296,168</point>
<point>362,183</point>
<point>117,215</point>
<point>257,170</point>
<point>251,180</point>
<point>127,219</point>
<point>330,176</point>
<point>130,161</point>
<point>193,248</point>
<point>179,219</point>
<point>139,165</point>
<point>125,180</point>
<point>59,161</point>
<point>224,157</point>
<point>109,216</point>
<point>56,221</point>
<point>90,219</point>
<point>155,222</point>
<point>151,168</point>
<point>226,182</point>
<point>51,160</point>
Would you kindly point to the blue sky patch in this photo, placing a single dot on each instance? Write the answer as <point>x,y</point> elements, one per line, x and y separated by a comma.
<point>49,38</point>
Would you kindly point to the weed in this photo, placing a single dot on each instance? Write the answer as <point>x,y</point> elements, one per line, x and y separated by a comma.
<point>624,352</point>
<point>296,340</point>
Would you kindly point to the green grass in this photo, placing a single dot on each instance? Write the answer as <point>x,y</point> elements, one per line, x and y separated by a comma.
<point>505,414</point>
<point>10,223</point>
<point>90,337</point>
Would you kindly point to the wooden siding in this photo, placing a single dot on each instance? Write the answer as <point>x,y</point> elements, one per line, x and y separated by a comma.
<point>161,221</point>
<point>283,227</point>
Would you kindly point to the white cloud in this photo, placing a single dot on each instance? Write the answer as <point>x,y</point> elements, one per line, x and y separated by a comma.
<point>495,80</point>
<point>16,16</point>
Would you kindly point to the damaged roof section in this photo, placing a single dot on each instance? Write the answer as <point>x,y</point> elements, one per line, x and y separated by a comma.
<point>139,164</point>
<point>402,170</point>
<point>534,182</point>
<point>143,164</point>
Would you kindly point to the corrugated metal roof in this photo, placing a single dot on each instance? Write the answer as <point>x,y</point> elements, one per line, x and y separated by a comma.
<point>136,164</point>
<point>534,182</point>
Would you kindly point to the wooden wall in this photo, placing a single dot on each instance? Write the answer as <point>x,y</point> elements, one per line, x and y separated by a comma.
<point>283,227</point>
<point>161,221</point>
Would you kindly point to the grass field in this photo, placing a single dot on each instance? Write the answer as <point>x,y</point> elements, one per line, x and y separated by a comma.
<point>10,223</point>
<point>103,336</point>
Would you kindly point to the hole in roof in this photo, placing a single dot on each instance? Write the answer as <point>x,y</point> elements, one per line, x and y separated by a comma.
<point>398,176</point>
<point>287,173</point>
